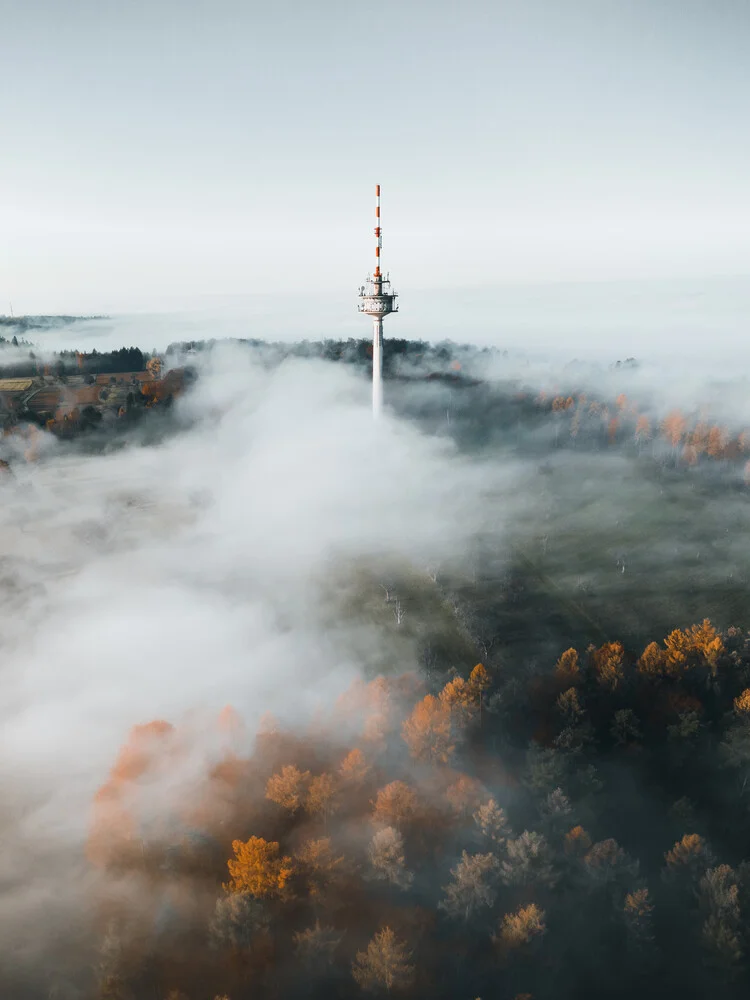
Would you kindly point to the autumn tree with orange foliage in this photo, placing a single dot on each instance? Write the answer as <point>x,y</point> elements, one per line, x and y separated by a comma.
<point>680,648</point>
<point>569,706</point>
<point>642,430</point>
<point>638,917</point>
<point>288,788</point>
<point>258,868</point>
<point>321,797</point>
<point>691,856</point>
<point>652,661</point>
<point>299,902</point>
<point>567,668</point>
<point>577,841</point>
<point>428,732</point>
<point>396,804</point>
<point>319,866</point>
<point>716,444</point>
<point>518,930</point>
<point>353,769</point>
<point>702,640</point>
<point>436,725</point>
<point>673,427</point>
<point>457,698</point>
<point>464,698</point>
<point>115,837</point>
<point>479,684</point>
<point>608,663</point>
<point>464,796</point>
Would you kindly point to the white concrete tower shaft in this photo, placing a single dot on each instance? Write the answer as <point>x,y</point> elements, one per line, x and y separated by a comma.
<point>377,367</point>
<point>377,322</point>
<point>377,300</point>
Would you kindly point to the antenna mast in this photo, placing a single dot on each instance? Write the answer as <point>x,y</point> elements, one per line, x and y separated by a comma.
<point>377,300</point>
<point>378,231</point>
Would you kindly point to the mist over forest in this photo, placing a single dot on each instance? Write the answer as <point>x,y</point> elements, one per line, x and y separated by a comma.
<point>455,704</point>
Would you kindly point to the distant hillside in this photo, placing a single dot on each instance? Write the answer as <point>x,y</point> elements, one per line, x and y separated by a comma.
<point>20,324</point>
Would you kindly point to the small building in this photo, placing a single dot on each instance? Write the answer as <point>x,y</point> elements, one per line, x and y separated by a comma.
<point>12,392</point>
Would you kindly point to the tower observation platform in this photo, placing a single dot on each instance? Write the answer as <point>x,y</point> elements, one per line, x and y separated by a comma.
<point>377,299</point>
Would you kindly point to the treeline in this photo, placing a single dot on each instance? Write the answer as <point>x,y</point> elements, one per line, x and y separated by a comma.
<point>398,354</point>
<point>25,323</point>
<point>14,342</point>
<point>688,437</point>
<point>66,363</point>
<point>581,832</point>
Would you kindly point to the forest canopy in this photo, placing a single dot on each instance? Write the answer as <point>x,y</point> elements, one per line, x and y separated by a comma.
<point>584,834</point>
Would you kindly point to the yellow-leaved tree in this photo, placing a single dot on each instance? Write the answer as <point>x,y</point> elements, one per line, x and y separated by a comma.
<point>702,640</point>
<point>699,641</point>
<point>652,661</point>
<point>567,668</point>
<point>609,664</point>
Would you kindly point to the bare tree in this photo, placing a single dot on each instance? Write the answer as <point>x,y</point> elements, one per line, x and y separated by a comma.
<point>315,946</point>
<point>736,747</point>
<point>625,728</point>
<point>556,806</point>
<point>320,867</point>
<point>528,861</point>
<point>237,920</point>
<point>722,930</point>
<point>492,822</point>
<point>606,862</point>
<point>386,854</point>
<point>399,612</point>
<point>473,886</point>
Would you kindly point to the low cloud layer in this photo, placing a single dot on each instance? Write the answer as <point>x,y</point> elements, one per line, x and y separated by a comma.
<point>159,582</point>
<point>222,566</point>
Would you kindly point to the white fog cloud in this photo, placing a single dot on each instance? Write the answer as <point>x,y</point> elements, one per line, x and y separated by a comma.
<point>160,581</point>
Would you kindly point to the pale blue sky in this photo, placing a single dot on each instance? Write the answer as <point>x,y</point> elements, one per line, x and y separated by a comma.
<point>156,151</point>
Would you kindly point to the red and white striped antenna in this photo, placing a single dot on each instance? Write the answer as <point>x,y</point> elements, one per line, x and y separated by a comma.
<point>378,231</point>
<point>377,299</point>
